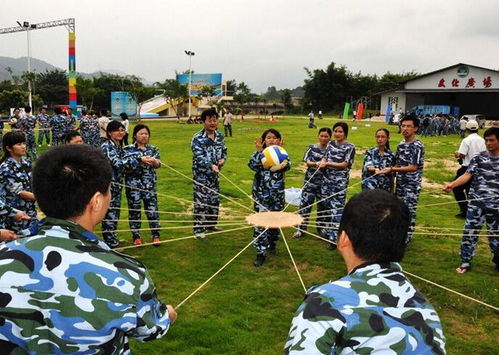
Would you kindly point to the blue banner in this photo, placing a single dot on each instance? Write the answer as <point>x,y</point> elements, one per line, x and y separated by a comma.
<point>388,113</point>
<point>198,81</point>
<point>122,101</point>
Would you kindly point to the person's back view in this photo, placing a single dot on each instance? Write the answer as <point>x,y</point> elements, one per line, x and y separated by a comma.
<point>63,290</point>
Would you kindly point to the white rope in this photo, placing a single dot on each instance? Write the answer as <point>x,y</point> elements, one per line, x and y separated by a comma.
<point>163,220</point>
<point>218,271</point>
<point>175,213</point>
<point>293,260</point>
<point>315,235</point>
<point>244,192</point>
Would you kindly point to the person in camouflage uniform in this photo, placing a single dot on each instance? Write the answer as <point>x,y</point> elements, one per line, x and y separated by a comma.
<point>89,129</point>
<point>14,120</point>
<point>267,192</point>
<point>27,124</point>
<point>483,171</point>
<point>377,159</point>
<point>409,162</point>
<point>313,157</point>
<point>339,159</point>
<point>44,124</point>
<point>120,162</point>
<point>15,179</point>
<point>8,212</point>
<point>63,290</point>
<point>59,127</point>
<point>209,155</point>
<point>144,179</point>
<point>375,308</point>
<point>70,120</point>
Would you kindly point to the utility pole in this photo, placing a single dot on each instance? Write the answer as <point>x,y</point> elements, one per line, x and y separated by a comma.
<point>190,54</point>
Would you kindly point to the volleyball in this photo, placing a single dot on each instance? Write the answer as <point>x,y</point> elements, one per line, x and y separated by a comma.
<point>13,120</point>
<point>273,156</point>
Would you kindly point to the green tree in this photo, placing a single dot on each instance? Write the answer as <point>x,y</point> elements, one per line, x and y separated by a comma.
<point>175,93</point>
<point>13,98</point>
<point>52,87</point>
<point>242,96</point>
<point>286,100</point>
<point>207,92</point>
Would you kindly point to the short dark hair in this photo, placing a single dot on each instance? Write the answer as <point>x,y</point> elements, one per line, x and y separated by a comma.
<point>27,109</point>
<point>492,131</point>
<point>124,116</point>
<point>376,223</point>
<point>412,118</point>
<point>209,113</point>
<point>327,130</point>
<point>73,173</point>
<point>342,125</point>
<point>138,127</point>
<point>9,140</point>
<point>275,132</point>
<point>70,135</point>
<point>114,126</point>
<point>57,110</point>
<point>103,112</point>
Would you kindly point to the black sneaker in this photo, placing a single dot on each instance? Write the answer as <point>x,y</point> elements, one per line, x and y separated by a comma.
<point>260,259</point>
<point>331,246</point>
<point>461,215</point>
<point>201,237</point>
<point>112,243</point>
<point>215,229</point>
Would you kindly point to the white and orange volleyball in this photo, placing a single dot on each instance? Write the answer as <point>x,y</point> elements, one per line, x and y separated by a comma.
<point>273,156</point>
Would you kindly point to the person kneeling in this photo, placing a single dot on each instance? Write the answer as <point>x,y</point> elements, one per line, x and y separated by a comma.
<point>374,308</point>
<point>64,290</point>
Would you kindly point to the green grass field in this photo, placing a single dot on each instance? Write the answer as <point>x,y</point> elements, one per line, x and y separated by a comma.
<point>248,310</point>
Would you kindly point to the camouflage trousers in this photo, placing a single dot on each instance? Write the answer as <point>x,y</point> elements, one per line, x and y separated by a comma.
<point>44,132</point>
<point>91,139</point>
<point>31,146</point>
<point>57,139</point>
<point>309,195</point>
<point>135,198</point>
<point>475,217</point>
<point>409,195</point>
<point>264,240</point>
<point>206,203</point>
<point>110,221</point>
<point>334,205</point>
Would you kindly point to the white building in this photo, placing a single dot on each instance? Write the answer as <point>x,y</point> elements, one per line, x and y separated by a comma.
<point>475,90</point>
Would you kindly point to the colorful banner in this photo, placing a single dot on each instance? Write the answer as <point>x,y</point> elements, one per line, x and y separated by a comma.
<point>388,113</point>
<point>346,109</point>
<point>360,111</point>
<point>198,81</point>
<point>72,71</point>
<point>122,101</point>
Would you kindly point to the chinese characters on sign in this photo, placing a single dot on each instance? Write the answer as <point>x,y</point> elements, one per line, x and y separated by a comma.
<point>487,83</point>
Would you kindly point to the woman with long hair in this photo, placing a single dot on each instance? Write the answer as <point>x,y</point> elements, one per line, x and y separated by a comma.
<point>143,178</point>
<point>268,192</point>
<point>375,160</point>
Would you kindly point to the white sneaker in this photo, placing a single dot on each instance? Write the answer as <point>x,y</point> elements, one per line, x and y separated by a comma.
<point>39,145</point>
<point>297,235</point>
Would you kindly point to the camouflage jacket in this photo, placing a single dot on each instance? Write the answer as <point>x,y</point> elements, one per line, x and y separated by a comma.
<point>411,153</point>
<point>339,153</point>
<point>64,291</point>
<point>374,308</point>
<point>43,120</point>
<point>314,153</point>
<point>142,176</point>
<point>120,160</point>
<point>14,178</point>
<point>27,123</point>
<point>207,152</point>
<point>485,184</point>
<point>59,125</point>
<point>71,122</point>
<point>373,159</point>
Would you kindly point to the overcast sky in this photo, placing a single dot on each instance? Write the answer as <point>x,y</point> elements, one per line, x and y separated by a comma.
<point>262,43</point>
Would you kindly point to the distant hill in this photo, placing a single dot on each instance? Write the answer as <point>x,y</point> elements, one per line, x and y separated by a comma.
<point>20,65</point>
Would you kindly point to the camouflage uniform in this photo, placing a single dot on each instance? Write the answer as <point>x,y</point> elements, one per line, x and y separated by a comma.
<point>268,194</point>
<point>64,291</point>
<point>27,124</point>
<point>44,123</point>
<point>15,126</point>
<point>375,308</point>
<point>334,187</point>
<point>1,131</point>
<point>5,210</point>
<point>373,159</point>
<point>408,184</point>
<point>89,130</point>
<point>120,161</point>
<point>205,153</point>
<point>485,185</point>
<point>59,129</point>
<point>144,178</point>
<point>312,187</point>
<point>71,122</point>
<point>14,178</point>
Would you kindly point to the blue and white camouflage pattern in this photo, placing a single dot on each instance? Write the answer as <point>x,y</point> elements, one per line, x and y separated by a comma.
<point>27,124</point>
<point>44,132</point>
<point>206,152</point>
<point>373,159</point>
<point>89,130</point>
<point>408,184</point>
<point>374,309</point>
<point>65,292</point>
<point>59,129</point>
<point>268,194</point>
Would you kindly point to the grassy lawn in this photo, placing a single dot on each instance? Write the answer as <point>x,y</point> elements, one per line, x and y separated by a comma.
<point>248,310</point>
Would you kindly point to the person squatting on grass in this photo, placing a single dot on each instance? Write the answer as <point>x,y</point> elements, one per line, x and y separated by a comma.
<point>267,192</point>
<point>141,184</point>
<point>338,161</point>
<point>409,168</point>
<point>209,155</point>
<point>64,290</point>
<point>483,171</point>
<point>15,182</point>
<point>374,308</point>
<point>375,160</point>
<point>311,191</point>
